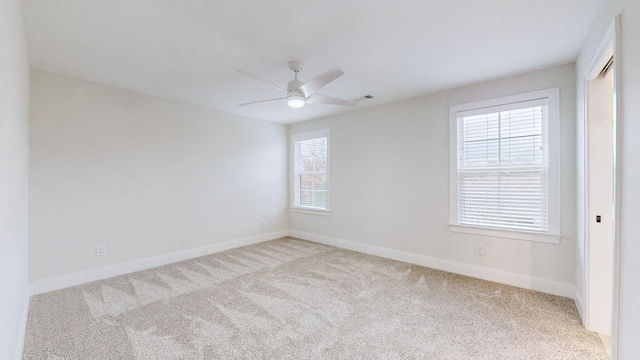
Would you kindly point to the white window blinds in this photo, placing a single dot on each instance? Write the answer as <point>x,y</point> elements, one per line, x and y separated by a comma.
<point>310,171</point>
<point>503,166</point>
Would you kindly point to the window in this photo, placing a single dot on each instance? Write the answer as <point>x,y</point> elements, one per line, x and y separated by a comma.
<point>504,178</point>
<point>311,170</point>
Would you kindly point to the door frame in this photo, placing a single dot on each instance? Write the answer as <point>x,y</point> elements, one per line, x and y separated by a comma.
<point>611,41</point>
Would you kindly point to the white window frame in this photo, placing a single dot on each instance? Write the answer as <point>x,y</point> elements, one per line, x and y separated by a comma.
<point>553,234</point>
<point>308,135</point>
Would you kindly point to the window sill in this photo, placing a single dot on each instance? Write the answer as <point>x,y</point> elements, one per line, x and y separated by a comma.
<point>507,233</point>
<point>310,211</point>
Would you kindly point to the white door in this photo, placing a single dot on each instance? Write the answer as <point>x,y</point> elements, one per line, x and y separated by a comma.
<point>600,154</point>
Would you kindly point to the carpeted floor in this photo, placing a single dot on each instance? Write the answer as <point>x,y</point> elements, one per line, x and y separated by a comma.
<point>292,299</point>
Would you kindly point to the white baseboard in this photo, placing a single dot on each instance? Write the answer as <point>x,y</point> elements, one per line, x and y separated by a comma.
<point>64,281</point>
<point>522,281</point>
<point>503,277</point>
<point>577,297</point>
<point>18,346</point>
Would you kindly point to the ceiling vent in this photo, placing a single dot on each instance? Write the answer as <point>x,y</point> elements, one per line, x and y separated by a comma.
<point>363,98</point>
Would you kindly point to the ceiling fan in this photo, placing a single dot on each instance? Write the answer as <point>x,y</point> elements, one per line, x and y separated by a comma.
<point>298,93</point>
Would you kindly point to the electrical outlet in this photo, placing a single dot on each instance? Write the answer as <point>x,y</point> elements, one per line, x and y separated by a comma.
<point>262,224</point>
<point>479,249</point>
<point>324,225</point>
<point>101,250</point>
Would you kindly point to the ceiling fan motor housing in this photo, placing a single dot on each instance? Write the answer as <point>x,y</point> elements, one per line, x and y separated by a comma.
<point>294,87</point>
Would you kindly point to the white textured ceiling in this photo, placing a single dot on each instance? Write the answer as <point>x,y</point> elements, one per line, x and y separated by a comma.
<point>189,50</point>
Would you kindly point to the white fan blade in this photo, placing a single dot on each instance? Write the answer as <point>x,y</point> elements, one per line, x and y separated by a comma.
<point>264,81</point>
<point>262,101</point>
<point>319,81</point>
<point>323,99</point>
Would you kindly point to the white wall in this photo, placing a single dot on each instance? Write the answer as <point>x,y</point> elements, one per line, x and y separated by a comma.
<point>629,72</point>
<point>390,180</point>
<point>143,175</point>
<point>14,173</point>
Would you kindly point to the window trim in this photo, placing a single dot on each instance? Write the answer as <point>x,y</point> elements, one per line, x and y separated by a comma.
<point>553,235</point>
<point>307,135</point>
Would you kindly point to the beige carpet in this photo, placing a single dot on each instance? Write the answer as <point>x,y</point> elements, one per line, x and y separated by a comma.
<point>291,299</point>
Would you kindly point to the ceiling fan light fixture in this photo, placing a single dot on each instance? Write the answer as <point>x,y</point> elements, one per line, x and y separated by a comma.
<point>296,101</point>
